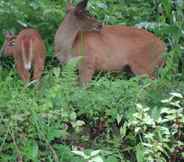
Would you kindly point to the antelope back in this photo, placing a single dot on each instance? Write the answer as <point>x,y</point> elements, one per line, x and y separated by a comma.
<point>29,47</point>
<point>111,48</point>
<point>29,51</point>
<point>117,47</point>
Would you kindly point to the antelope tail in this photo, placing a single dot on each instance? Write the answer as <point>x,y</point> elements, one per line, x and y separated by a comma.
<point>27,61</point>
<point>30,56</point>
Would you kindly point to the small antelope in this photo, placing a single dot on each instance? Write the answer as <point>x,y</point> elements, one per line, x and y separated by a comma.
<point>105,48</point>
<point>27,49</point>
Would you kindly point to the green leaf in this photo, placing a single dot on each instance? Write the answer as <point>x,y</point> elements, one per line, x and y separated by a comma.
<point>119,118</point>
<point>123,130</point>
<point>140,153</point>
<point>175,94</point>
<point>95,153</point>
<point>80,153</point>
<point>111,159</point>
<point>96,159</point>
<point>53,133</point>
<point>31,150</point>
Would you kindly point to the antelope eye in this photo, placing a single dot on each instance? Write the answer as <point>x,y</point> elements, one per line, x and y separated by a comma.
<point>87,13</point>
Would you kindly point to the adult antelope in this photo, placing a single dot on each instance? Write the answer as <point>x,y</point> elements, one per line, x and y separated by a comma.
<point>28,51</point>
<point>107,48</point>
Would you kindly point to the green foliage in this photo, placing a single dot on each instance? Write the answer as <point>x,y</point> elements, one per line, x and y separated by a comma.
<point>111,120</point>
<point>156,135</point>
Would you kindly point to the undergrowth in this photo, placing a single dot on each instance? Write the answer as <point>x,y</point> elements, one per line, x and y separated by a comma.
<point>124,119</point>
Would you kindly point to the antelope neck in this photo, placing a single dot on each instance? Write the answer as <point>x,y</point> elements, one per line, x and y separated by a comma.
<point>67,34</point>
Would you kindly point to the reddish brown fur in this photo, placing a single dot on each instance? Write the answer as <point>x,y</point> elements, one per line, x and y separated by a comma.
<point>117,46</point>
<point>23,42</point>
<point>111,49</point>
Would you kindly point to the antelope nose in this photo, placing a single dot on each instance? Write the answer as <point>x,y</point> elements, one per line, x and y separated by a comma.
<point>99,27</point>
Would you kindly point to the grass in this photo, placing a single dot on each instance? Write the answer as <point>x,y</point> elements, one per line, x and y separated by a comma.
<point>37,121</point>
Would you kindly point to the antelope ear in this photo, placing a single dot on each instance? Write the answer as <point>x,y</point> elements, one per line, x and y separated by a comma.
<point>81,6</point>
<point>12,33</point>
<point>69,6</point>
<point>6,34</point>
<point>9,34</point>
